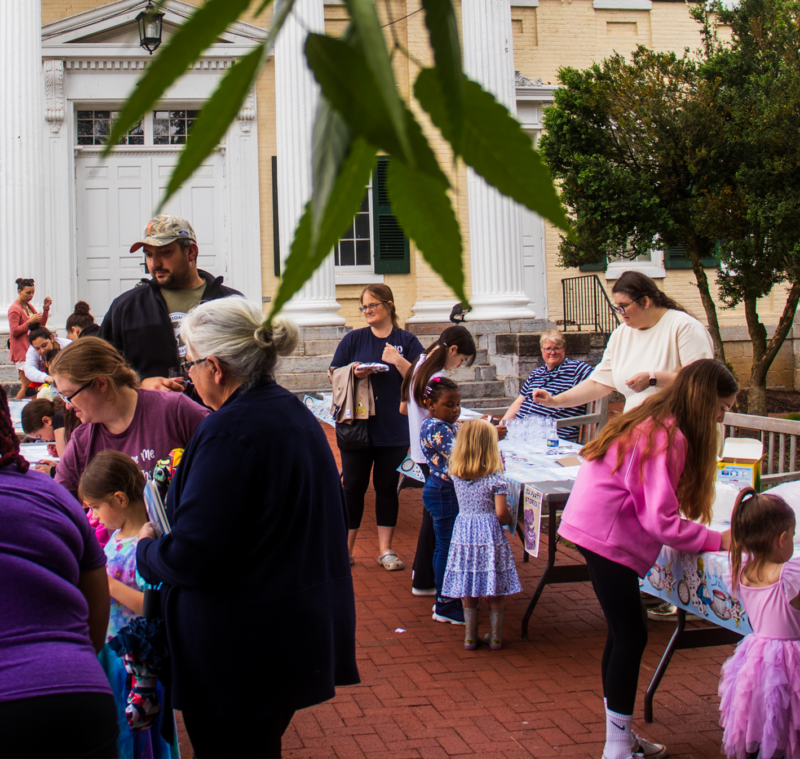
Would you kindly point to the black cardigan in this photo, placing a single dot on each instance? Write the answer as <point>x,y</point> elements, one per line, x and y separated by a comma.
<point>260,606</point>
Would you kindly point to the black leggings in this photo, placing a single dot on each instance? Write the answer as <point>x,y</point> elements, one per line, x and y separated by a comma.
<point>356,467</point>
<point>617,590</point>
<point>67,724</point>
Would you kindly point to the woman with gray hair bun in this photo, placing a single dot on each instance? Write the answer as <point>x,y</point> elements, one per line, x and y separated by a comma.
<point>256,566</point>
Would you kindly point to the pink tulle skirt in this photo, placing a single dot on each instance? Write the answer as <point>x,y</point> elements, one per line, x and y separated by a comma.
<point>760,692</point>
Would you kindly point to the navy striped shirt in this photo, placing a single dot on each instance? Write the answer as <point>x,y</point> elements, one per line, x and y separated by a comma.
<point>565,376</point>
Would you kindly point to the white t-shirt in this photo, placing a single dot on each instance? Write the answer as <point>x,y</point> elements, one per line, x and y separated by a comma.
<point>417,415</point>
<point>675,341</point>
<point>35,366</point>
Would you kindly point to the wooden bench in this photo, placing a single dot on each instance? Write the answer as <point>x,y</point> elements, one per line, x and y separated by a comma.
<point>779,437</point>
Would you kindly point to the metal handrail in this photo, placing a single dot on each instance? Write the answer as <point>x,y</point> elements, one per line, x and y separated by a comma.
<point>586,304</point>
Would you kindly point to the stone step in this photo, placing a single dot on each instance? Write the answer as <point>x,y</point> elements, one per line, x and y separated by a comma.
<point>493,389</point>
<point>304,382</point>
<point>8,373</point>
<point>482,373</point>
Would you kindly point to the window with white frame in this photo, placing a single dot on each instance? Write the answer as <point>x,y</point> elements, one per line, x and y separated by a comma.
<point>354,252</point>
<point>159,127</point>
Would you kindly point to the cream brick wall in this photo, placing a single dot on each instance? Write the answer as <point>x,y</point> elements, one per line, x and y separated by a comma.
<point>557,33</point>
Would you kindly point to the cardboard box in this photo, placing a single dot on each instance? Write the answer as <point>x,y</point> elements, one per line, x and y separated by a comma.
<point>740,464</point>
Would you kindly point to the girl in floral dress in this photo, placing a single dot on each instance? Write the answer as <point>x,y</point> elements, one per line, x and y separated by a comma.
<point>480,563</point>
<point>112,486</point>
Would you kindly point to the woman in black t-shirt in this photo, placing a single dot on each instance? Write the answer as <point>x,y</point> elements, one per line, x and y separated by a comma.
<point>381,341</point>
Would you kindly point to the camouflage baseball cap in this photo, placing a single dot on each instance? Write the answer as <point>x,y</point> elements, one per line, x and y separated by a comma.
<point>165,229</point>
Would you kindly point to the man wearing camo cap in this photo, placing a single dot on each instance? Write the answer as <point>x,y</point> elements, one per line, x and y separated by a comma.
<point>144,323</point>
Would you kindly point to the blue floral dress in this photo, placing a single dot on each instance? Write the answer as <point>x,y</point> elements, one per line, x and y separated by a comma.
<point>480,562</point>
<point>131,744</point>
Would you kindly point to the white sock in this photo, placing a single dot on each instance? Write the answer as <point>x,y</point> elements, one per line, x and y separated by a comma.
<point>619,741</point>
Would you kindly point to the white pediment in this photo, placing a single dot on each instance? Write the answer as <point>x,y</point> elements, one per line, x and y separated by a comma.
<point>113,27</point>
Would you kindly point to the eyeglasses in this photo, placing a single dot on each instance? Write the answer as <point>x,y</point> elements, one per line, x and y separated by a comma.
<point>370,307</point>
<point>621,309</point>
<point>68,398</point>
<point>553,350</point>
<point>189,364</point>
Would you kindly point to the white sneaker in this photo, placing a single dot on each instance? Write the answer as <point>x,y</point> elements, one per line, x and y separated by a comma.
<point>647,749</point>
<point>423,591</point>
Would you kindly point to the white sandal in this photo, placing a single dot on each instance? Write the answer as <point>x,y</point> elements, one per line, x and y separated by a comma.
<point>390,562</point>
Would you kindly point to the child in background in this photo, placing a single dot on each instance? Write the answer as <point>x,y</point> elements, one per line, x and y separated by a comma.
<point>112,486</point>
<point>437,435</point>
<point>759,683</point>
<point>453,349</point>
<point>480,563</point>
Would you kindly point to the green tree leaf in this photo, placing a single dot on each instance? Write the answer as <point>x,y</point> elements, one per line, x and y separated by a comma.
<point>346,81</point>
<point>332,139</point>
<point>495,146</point>
<point>215,118</point>
<point>440,18</point>
<point>344,201</point>
<point>365,20</point>
<point>424,210</point>
<point>199,31</point>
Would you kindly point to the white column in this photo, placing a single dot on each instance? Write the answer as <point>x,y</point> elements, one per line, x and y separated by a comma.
<point>21,172</point>
<point>296,96</point>
<point>494,221</point>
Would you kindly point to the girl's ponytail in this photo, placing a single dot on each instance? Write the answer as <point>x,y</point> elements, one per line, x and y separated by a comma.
<point>737,519</point>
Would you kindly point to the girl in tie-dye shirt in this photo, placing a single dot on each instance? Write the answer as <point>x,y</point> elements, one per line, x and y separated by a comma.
<point>112,486</point>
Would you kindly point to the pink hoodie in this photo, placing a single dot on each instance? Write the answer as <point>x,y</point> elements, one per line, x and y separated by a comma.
<point>627,516</point>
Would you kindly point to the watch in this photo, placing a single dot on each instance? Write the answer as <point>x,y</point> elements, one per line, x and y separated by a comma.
<point>653,380</point>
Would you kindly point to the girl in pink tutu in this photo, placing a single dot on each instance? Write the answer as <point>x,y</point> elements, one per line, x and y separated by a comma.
<point>760,684</point>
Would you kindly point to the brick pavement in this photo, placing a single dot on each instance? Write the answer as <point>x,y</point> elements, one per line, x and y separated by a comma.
<point>423,696</point>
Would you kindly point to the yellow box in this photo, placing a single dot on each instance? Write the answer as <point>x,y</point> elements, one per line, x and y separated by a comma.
<point>740,464</point>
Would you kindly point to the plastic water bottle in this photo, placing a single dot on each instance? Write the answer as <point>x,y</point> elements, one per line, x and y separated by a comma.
<point>552,437</point>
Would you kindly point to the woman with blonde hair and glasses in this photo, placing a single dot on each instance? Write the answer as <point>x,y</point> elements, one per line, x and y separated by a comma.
<point>380,341</point>
<point>647,470</point>
<point>93,378</point>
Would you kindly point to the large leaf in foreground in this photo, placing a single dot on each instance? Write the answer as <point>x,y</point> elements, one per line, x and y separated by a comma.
<point>495,146</point>
<point>440,18</point>
<point>342,72</point>
<point>215,118</point>
<point>423,208</point>
<point>199,31</point>
<point>364,18</point>
<point>345,199</point>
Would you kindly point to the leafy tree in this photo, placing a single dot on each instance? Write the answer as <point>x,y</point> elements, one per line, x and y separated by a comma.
<point>360,114</point>
<point>756,206</point>
<point>629,141</point>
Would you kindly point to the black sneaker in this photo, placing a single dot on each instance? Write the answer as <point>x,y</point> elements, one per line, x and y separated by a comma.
<point>449,610</point>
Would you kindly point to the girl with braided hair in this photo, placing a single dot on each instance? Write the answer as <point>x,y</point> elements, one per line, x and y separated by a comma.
<point>55,614</point>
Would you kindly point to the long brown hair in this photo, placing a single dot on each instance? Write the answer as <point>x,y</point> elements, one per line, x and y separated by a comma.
<point>690,404</point>
<point>83,361</point>
<point>435,359</point>
<point>638,286</point>
<point>33,415</point>
<point>384,294</point>
<point>757,522</point>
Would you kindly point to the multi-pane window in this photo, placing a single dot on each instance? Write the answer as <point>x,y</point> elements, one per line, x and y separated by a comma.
<point>172,127</point>
<point>355,245</point>
<point>95,126</point>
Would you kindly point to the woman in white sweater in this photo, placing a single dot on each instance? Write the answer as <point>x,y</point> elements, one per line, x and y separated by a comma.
<point>656,339</point>
<point>42,341</point>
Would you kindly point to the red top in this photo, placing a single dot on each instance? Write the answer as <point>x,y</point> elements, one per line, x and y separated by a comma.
<point>18,325</point>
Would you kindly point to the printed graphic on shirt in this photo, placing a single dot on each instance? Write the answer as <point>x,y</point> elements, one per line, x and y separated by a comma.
<point>176,318</point>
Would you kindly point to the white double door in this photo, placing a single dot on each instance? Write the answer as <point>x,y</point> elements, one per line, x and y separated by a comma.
<point>116,198</point>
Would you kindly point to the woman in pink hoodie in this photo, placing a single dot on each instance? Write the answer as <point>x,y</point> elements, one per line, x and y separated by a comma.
<point>647,470</point>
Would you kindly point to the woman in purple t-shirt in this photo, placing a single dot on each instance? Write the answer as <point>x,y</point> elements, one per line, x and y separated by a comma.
<point>93,378</point>
<point>54,696</point>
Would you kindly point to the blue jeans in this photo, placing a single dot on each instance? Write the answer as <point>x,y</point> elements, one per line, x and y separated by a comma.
<point>440,500</point>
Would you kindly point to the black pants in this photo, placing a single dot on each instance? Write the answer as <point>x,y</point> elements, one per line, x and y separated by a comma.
<point>617,590</point>
<point>356,468</point>
<point>236,732</point>
<point>64,725</point>
<point>426,545</point>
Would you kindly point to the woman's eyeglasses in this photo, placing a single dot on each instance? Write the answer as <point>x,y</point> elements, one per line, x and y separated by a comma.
<point>621,309</point>
<point>369,307</point>
<point>189,364</point>
<point>68,398</point>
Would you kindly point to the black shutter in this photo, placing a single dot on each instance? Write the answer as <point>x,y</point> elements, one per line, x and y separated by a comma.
<point>276,236</point>
<point>391,245</point>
